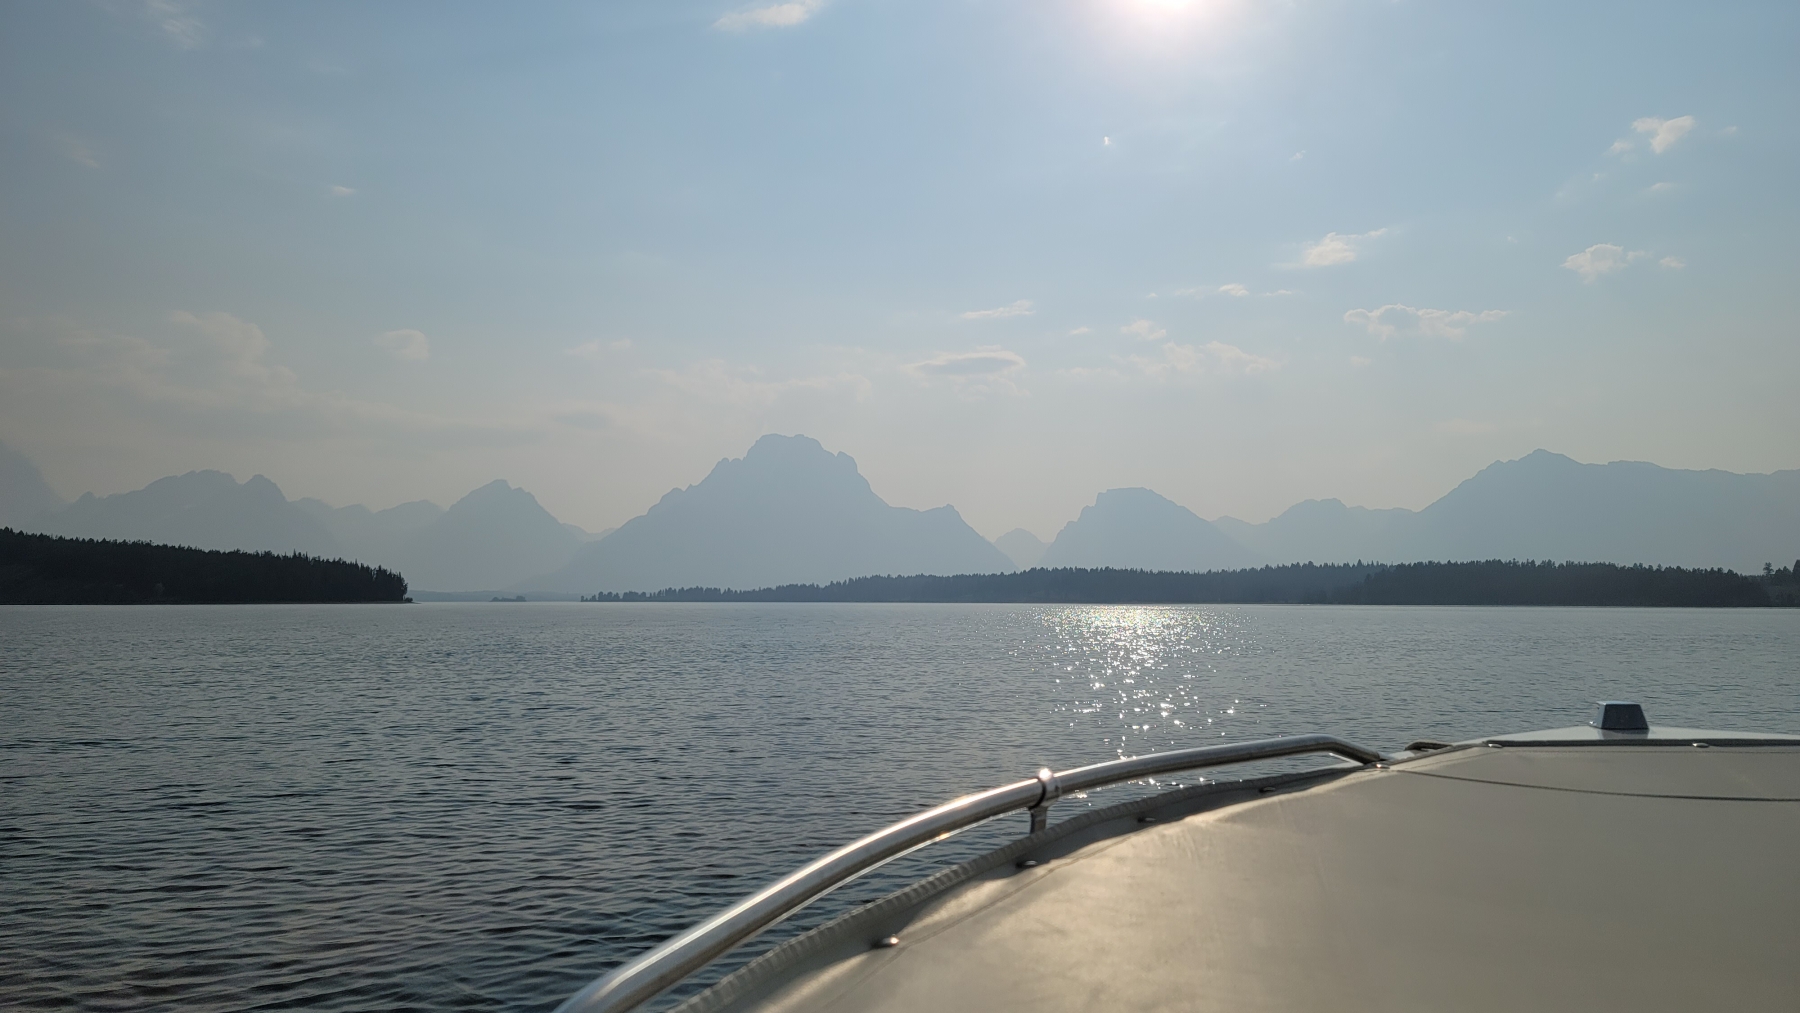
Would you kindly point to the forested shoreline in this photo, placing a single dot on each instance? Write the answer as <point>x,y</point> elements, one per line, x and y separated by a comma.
<point>50,570</point>
<point>1487,582</point>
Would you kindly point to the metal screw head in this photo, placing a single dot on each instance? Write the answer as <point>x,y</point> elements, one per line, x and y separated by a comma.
<point>1029,863</point>
<point>1146,819</point>
<point>886,942</point>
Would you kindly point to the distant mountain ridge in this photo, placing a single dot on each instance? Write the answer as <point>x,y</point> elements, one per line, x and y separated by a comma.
<point>788,511</point>
<point>1549,506</point>
<point>201,509</point>
<point>485,541</point>
<point>1022,547</point>
<point>24,495</point>
<point>1136,529</point>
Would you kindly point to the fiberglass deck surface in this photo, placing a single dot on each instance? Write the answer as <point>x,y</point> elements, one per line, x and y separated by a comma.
<point>1640,878</point>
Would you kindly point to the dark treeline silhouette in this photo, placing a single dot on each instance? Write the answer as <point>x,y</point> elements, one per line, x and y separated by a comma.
<point>1492,582</point>
<point>1498,582</point>
<point>46,570</point>
<point>1299,582</point>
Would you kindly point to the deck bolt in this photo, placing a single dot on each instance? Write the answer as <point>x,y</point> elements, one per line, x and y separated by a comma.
<point>887,942</point>
<point>1029,863</point>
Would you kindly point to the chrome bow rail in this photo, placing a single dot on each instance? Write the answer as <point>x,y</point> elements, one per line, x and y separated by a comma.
<point>638,980</point>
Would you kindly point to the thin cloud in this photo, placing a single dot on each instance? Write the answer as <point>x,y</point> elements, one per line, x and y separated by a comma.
<point>1081,330</point>
<point>1673,263</point>
<point>177,21</point>
<point>1600,259</point>
<point>405,345</point>
<point>1214,358</point>
<point>77,150</point>
<point>1336,249</point>
<point>1395,319</point>
<point>984,362</point>
<point>596,351</point>
<point>1233,289</point>
<point>1145,330</point>
<point>217,376</point>
<point>1663,133</point>
<point>343,191</point>
<point>783,15</point>
<point>1022,308</point>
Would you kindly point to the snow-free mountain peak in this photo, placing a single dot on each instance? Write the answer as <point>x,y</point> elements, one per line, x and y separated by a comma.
<point>788,511</point>
<point>1139,529</point>
<point>24,495</point>
<point>1022,547</point>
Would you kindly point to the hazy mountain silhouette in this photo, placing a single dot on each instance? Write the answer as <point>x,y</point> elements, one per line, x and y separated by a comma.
<point>1138,529</point>
<point>373,535</point>
<point>788,511</point>
<point>1022,547</point>
<point>489,539</point>
<point>202,509</point>
<point>1548,506</point>
<point>24,495</point>
<point>1324,530</point>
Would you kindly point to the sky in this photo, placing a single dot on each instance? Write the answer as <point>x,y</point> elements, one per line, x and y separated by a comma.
<point>1005,253</point>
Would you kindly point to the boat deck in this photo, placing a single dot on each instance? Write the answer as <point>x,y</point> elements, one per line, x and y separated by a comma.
<point>1526,873</point>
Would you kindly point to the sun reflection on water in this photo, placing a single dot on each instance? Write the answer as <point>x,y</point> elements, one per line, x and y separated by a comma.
<point>1148,678</point>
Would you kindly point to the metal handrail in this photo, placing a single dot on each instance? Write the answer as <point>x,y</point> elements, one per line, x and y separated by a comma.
<point>642,978</point>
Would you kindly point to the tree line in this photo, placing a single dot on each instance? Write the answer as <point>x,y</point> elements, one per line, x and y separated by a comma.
<point>45,569</point>
<point>1486,582</point>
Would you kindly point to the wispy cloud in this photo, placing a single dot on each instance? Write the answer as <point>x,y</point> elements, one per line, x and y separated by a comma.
<point>1395,319</point>
<point>1663,133</point>
<point>1233,288</point>
<point>217,374</point>
<point>1599,259</point>
<point>178,23</point>
<point>1673,263</point>
<point>77,150</point>
<point>597,351</point>
<point>717,383</point>
<point>983,362</point>
<point>1663,187</point>
<point>782,15</point>
<point>1336,249</point>
<point>1146,330</point>
<point>1215,358</point>
<point>343,191</point>
<point>1022,308</point>
<point>406,345</point>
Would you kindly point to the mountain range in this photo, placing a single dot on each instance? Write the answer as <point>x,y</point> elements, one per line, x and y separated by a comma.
<point>491,538</point>
<point>790,511</point>
<point>1548,506</point>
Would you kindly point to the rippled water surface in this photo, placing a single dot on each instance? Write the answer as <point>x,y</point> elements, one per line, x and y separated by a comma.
<point>482,806</point>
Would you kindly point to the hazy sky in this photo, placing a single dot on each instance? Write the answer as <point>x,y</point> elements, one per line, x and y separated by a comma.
<point>1004,253</point>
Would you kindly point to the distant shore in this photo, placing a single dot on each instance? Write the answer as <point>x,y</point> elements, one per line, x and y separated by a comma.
<point>1489,582</point>
<point>48,570</point>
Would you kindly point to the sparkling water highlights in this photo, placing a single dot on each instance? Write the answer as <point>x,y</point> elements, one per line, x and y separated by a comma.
<point>482,806</point>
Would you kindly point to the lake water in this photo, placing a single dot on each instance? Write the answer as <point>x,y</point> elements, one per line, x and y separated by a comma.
<point>482,806</point>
